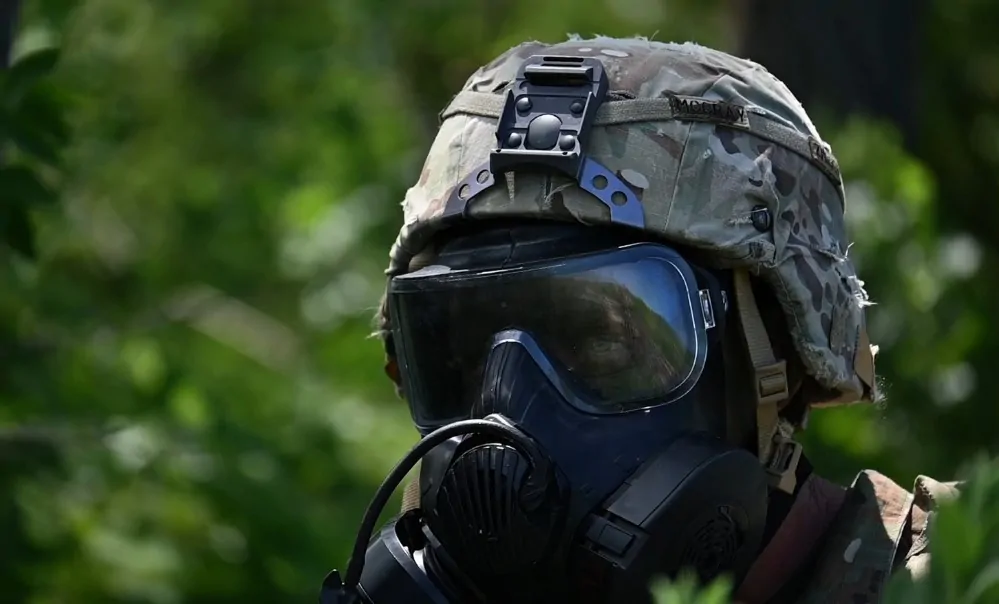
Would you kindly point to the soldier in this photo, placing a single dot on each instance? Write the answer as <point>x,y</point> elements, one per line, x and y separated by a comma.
<point>629,258</point>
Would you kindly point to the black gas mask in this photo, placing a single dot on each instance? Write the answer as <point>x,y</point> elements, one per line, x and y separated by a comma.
<point>586,404</point>
<point>617,453</point>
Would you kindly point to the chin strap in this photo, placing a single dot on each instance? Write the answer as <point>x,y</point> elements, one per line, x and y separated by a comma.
<point>776,448</point>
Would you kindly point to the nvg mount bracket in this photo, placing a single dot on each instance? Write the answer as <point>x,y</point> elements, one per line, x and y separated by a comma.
<point>545,125</point>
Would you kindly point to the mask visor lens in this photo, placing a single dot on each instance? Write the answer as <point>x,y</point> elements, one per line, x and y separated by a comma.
<point>623,328</point>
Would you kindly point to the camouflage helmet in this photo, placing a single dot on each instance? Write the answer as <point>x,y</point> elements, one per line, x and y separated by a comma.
<point>720,156</point>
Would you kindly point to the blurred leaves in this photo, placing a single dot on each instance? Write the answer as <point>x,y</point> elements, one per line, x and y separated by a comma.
<point>31,115</point>
<point>20,184</point>
<point>186,370</point>
<point>685,590</point>
<point>32,127</point>
<point>965,547</point>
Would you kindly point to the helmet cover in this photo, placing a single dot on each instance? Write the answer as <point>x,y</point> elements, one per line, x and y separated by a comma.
<point>734,142</point>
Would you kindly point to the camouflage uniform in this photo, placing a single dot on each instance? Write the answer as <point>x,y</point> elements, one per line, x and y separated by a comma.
<point>706,141</point>
<point>881,529</point>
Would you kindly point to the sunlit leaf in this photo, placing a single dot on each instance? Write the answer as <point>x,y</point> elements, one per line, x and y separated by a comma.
<point>25,73</point>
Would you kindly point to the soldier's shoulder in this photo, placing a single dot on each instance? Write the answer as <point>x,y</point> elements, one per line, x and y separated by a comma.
<point>882,528</point>
<point>928,493</point>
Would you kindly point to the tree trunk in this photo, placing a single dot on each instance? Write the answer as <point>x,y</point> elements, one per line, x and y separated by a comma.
<point>847,56</point>
<point>9,13</point>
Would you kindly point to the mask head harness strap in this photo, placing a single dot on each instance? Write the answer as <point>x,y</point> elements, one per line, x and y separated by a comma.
<point>777,450</point>
<point>545,124</point>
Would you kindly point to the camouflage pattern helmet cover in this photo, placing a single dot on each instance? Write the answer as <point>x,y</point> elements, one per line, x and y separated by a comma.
<point>737,141</point>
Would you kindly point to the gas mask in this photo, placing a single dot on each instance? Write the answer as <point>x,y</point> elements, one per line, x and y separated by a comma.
<point>579,397</point>
<point>613,459</point>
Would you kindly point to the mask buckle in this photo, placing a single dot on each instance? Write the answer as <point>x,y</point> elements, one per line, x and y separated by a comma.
<point>771,384</point>
<point>783,465</point>
<point>771,391</point>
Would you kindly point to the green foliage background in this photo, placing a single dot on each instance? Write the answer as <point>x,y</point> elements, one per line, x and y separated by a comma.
<point>198,200</point>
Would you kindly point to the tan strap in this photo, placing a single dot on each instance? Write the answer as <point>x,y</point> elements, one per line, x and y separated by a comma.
<point>779,453</point>
<point>411,494</point>
<point>863,361</point>
<point>625,111</point>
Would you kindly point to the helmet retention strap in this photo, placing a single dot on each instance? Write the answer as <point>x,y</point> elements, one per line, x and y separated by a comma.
<point>778,452</point>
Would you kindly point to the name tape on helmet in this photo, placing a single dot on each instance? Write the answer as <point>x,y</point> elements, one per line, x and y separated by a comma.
<point>706,110</point>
